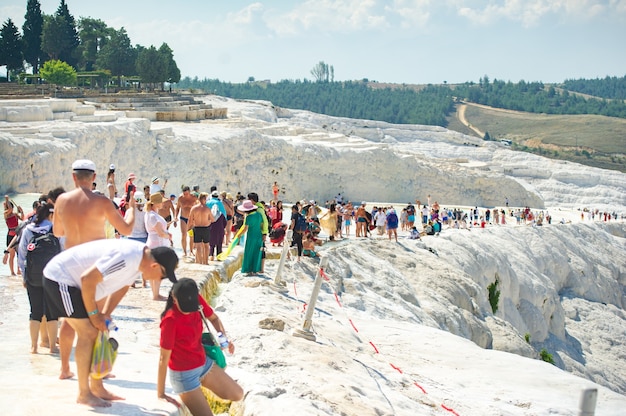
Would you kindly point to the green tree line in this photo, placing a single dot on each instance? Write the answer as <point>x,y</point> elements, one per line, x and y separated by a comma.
<point>88,45</point>
<point>608,87</point>
<point>353,99</point>
<point>403,105</point>
<point>535,97</point>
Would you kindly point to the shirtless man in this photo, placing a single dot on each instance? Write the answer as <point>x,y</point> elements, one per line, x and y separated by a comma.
<point>200,217</point>
<point>167,210</point>
<point>185,202</point>
<point>80,216</point>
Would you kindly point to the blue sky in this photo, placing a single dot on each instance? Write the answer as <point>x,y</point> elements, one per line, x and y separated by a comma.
<point>410,41</point>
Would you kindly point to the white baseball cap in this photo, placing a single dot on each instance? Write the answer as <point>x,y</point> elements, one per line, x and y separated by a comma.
<point>84,164</point>
<point>112,167</point>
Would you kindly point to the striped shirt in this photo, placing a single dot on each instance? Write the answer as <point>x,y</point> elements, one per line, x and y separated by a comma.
<point>117,259</point>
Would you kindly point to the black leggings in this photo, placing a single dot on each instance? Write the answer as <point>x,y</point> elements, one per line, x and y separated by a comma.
<point>297,241</point>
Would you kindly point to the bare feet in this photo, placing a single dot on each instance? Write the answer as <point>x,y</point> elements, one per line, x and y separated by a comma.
<point>33,350</point>
<point>65,375</point>
<point>45,344</point>
<point>54,350</point>
<point>92,400</point>
<point>161,297</point>
<point>103,393</point>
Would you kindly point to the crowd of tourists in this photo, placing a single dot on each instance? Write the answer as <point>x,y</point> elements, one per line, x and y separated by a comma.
<point>79,252</point>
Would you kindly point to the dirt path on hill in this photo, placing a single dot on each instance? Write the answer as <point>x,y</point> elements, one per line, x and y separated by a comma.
<point>460,114</point>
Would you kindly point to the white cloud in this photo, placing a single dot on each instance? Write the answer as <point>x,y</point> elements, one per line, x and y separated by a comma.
<point>530,12</point>
<point>328,16</point>
<point>412,12</point>
<point>246,15</point>
<point>619,6</point>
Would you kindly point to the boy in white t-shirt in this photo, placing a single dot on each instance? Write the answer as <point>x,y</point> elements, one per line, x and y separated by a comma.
<point>86,282</point>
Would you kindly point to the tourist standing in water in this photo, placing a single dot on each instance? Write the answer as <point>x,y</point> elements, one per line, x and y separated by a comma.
<point>13,214</point>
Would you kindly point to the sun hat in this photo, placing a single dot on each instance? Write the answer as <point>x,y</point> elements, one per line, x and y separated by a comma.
<point>229,195</point>
<point>131,176</point>
<point>156,198</point>
<point>155,179</point>
<point>215,194</point>
<point>167,258</point>
<point>111,166</point>
<point>84,164</point>
<point>247,206</point>
<point>186,293</point>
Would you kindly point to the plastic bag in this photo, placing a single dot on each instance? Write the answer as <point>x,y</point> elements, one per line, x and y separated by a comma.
<point>212,350</point>
<point>103,356</point>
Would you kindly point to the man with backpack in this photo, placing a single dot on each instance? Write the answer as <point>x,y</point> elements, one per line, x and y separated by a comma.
<point>298,226</point>
<point>37,247</point>
<point>217,227</point>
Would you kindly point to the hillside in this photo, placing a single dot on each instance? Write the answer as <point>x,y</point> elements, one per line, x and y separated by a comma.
<point>587,139</point>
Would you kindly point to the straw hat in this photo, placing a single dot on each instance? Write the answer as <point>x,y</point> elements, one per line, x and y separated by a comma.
<point>131,176</point>
<point>156,198</point>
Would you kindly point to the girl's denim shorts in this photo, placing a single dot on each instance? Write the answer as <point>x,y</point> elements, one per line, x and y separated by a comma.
<point>189,380</point>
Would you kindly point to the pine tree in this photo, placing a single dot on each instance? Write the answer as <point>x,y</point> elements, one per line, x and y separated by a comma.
<point>70,36</point>
<point>173,73</point>
<point>11,47</point>
<point>32,29</point>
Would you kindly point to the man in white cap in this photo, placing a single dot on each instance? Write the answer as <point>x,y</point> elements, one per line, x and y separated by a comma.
<point>155,187</point>
<point>79,217</point>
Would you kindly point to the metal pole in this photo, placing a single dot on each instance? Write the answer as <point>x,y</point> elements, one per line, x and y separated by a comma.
<point>278,283</point>
<point>588,398</point>
<point>305,332</point>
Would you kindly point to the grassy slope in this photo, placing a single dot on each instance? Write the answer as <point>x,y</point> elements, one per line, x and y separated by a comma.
<point>591,140</point>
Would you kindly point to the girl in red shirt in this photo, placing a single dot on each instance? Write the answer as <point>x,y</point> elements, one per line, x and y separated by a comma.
<point>183,353</point>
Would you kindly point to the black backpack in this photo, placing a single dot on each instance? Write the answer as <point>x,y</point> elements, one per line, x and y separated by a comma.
<point>41,248</point>
<point>301,225</point>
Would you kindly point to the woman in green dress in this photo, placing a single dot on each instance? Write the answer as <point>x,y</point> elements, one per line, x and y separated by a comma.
<point>253,249</point>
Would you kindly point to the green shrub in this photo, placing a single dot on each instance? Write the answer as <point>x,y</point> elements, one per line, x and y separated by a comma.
<point>494,295</point>
<point>527,337</point>
<point>546,356</point>
<point>58,72</point>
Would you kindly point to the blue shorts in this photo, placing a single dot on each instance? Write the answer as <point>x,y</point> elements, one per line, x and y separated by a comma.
<point>189,380</point>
